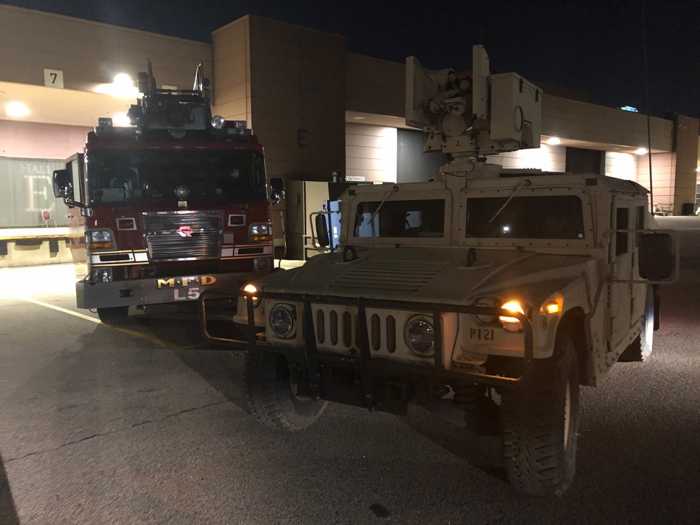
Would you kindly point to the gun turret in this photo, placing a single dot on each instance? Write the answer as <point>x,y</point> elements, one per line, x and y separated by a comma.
<point>472,114</point>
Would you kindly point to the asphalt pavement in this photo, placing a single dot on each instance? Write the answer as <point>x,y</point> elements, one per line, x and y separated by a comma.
<point>144,425</point>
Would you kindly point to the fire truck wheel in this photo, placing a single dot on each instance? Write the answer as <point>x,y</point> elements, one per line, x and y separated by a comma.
<point>271,394</point>
<point>640,349</point>
<point>114,315</point>
<point>540,424</point>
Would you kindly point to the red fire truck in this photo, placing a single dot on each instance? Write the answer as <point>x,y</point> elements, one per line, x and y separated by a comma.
<point>171,206</point>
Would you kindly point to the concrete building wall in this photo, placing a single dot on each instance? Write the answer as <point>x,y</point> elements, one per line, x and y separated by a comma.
<point>232,66</point>
<point>374,85</point>
<point>298,98</point>
<point>663,166</point>
<point>585,122</point>
<point>621,165</point>
<point>89,52</point>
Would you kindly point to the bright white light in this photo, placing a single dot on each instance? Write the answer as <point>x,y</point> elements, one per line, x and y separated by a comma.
<point>631,109</point>
<point>121,120</point>
<point>641,151</point>
<point>553,141</point>
<point>16,109</point>
<point>506,229</point>
<point>122,86</point>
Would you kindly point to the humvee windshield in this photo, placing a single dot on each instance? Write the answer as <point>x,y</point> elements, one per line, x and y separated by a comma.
<point>414,218</point>
<point>536,217</point>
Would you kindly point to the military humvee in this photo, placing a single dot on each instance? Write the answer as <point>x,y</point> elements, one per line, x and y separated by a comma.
<point>492,292</point>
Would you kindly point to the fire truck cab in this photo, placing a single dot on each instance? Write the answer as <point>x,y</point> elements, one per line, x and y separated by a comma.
<point>168,207</point>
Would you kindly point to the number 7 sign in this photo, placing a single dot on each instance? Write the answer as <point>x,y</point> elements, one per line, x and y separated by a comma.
<point>53,78</point>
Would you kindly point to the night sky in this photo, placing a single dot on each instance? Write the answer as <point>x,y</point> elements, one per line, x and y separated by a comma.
<point>575,49</point>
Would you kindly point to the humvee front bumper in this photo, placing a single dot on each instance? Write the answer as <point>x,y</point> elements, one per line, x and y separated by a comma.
<point>363,372</point>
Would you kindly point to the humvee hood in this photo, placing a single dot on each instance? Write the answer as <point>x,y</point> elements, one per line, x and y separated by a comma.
<point>430,275</point>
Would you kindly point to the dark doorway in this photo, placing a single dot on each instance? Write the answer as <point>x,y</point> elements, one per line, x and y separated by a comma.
<point>413,165</point>
<point>585,161</point>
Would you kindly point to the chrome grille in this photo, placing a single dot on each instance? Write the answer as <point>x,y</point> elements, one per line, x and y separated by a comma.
<point>183,235</point>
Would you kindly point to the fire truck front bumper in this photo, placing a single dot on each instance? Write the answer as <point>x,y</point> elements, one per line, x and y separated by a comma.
<point>161,290</point>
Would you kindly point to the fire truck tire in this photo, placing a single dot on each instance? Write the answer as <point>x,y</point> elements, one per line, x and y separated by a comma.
<point>540,424</point>
<point>270,394</point>
<point>641,347</point>
<point>114,315</point>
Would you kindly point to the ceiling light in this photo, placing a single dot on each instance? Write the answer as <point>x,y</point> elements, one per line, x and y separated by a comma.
<point>16,109</point>
<point>641,151</point>
<point>122,86</point>
<point>553,141</point>
<point>121,120</point>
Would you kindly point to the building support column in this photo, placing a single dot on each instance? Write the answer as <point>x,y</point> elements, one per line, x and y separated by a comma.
<point>685,135</point>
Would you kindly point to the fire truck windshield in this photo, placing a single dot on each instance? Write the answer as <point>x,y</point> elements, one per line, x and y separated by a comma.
<point>119,176</point>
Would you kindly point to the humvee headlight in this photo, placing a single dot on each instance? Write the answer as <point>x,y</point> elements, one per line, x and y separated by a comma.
<point>419,335</point>
<point>552,306</point>
<point>282,320</point>
<point>510,323</point>
<point>250,291</point>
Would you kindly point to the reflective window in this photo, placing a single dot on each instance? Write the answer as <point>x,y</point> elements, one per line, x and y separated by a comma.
<point>536,217</point>
<point>415,218</point>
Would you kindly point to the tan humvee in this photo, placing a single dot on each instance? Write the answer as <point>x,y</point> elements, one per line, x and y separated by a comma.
<point>486,293</point>
<point>498,292</point>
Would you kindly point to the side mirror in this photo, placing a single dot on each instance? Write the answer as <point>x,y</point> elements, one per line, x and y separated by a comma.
<point>277,192</point>
<point>322,236</point>
<point>62,185</point>
<point>276,196</point>
<point>658,256</point>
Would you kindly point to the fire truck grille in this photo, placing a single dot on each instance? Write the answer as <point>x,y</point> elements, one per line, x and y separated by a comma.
<point>185,235</point>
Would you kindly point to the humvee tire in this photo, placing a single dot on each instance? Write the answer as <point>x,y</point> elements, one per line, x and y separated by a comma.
<point>270,394</point>
<point>114,315</point>
<point>640,349</point>
<point>540,424</point>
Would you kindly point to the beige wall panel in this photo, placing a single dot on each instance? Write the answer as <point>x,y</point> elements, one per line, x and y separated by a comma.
<point>621,165</point>
<point>370,153</point>
<point>546,158</point>
<point>298,98</point>
<point>89,52</point>
<point>663,170</point>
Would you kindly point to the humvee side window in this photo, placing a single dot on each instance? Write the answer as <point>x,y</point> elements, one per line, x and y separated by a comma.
<point>536,217</point>
<point>621,237</point>
<point>415,218</point>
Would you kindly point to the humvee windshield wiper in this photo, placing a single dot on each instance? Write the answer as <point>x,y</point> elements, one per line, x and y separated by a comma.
<point>381,202</point>
<point>517,188</point>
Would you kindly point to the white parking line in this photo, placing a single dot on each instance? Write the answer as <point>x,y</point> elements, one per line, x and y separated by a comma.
<point>151,338</point>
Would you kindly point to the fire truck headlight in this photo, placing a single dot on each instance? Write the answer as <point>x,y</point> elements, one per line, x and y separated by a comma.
<point>100,239</point>
<point>217,121</point>
<point>102,275</point>
<point>260,231</point>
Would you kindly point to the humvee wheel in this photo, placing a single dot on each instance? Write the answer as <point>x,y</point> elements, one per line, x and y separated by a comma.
<point>115,315</point>
<point>540,425</point>
<point>271,394</point>
<point>640,349</point>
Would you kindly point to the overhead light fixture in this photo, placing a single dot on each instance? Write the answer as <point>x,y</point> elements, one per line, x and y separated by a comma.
<point>359,118</point>
<point>16,109</point>
<point>121,120</point>
<point>553,141</point>
<point>631,109</point>
<point>122,86</point>
<point>641,151</point>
